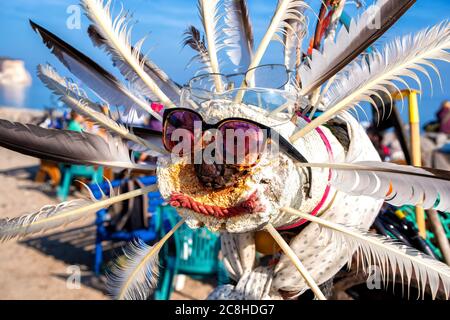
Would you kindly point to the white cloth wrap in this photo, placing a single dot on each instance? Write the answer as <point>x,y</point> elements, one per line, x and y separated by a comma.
<point>319,254</point>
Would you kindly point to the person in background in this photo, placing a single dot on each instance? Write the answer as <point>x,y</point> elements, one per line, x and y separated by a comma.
<point>444,117</point>
<point>377,139</point>
<point>76,122</point>
<point>442,122</point>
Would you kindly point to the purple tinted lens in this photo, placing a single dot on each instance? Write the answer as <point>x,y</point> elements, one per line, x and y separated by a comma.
<point>243,141</point>
<point>178,126</point>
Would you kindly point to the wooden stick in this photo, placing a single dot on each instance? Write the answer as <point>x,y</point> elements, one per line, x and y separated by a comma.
<point>296,261</point>
<point>439,232</point>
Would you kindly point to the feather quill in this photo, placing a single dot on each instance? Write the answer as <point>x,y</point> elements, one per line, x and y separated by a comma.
<point>404,57</point>
<point>239,31</point>
<point>389,254</point>
<point>162,80</point>
<point>117,36</point>
<point>208,10</point>
<point>62,214</point>
<point>137,276</point>
<point>373,23</point>
<point>67,146</point>
<point>70,95</point>
<point>397,184</point>
<point>90,73</point>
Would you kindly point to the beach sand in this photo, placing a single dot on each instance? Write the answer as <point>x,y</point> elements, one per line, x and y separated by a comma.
<point>44,266</point>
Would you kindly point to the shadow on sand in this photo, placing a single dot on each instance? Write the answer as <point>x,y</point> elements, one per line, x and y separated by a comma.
<point>75,247</point>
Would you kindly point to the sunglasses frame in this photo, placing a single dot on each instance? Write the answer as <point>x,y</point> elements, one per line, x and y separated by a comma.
<point>284,144</point>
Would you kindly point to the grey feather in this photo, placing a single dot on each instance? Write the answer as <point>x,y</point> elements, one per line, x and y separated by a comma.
<point>66,146</point>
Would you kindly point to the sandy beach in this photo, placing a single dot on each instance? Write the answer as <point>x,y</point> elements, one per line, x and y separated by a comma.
<point>43,266</point>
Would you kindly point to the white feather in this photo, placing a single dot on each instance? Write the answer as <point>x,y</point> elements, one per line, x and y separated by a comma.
<point>366,78</point>
<point>208,10</point>
<point>293,41</point>
<point>238,42</point>
<point>48,217</point>
<point>397,184</point>
<point>287,11</point>
<point>388,254</point>
<point>53,216</point>
<point>117,35</point>
<point>137,276</point>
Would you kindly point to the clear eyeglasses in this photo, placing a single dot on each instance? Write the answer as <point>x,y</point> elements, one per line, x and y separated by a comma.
<point>270,76</point>
<point>264,87</point>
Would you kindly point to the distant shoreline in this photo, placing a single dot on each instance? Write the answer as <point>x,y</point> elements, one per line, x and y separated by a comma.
<point>19,114</point>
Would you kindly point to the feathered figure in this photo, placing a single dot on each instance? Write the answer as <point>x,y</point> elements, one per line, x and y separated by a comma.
<point>323,166</point>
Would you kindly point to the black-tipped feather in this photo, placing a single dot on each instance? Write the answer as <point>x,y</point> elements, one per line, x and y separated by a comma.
<point>90,73</point>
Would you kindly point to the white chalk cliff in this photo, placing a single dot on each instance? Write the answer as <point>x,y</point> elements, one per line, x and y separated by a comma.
<point>13,72</point>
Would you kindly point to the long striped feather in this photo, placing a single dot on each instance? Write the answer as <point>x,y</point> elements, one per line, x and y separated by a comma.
<point>67,146</point>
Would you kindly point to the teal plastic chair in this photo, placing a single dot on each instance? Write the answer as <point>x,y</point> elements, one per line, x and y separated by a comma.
<point>192,252</point>
<point>410,212</point>
<point>77,171</point>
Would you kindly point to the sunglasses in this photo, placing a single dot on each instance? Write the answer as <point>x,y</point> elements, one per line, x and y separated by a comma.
<point>243,140</point>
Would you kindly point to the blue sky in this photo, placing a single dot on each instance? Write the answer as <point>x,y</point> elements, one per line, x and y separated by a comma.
<point>164,22</point>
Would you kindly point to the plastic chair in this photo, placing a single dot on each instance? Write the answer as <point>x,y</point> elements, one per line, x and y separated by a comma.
<point>51,169</point>
<point>103,234</point>
<point>410,212</point>
<point>76,171</point>
<point>194,253</point>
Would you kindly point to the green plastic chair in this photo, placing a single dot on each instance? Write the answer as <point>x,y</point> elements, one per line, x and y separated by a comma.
<point>192,252</point>
<point>77,171</point>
